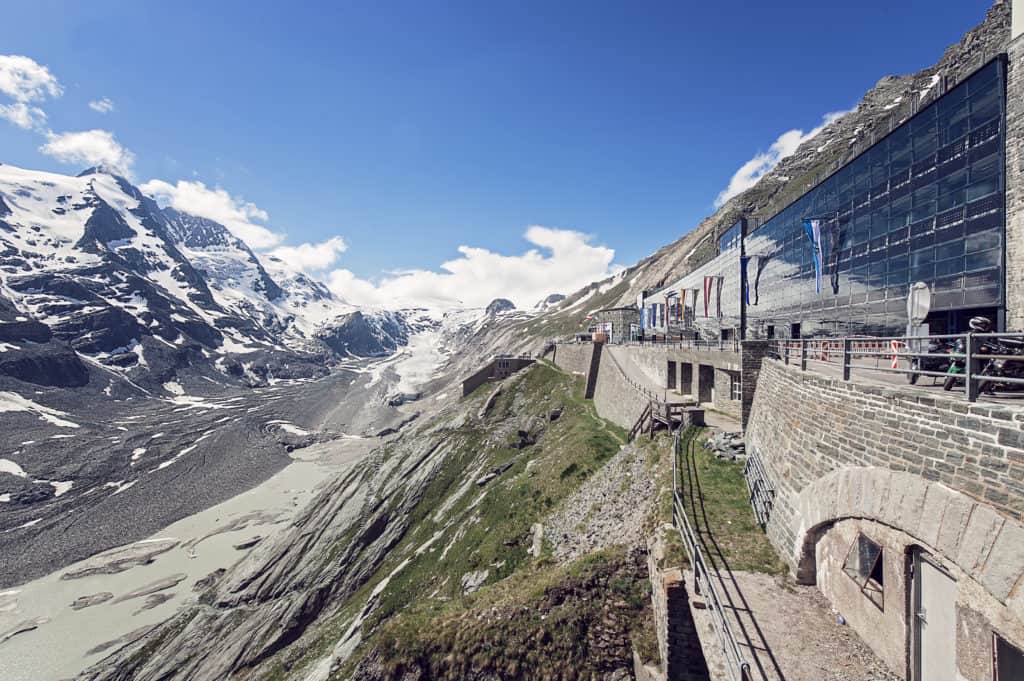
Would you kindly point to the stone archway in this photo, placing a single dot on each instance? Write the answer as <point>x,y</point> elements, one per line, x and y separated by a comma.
<point>987,546</point>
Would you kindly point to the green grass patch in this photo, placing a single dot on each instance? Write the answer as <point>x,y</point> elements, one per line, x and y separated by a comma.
<point>727,516</point>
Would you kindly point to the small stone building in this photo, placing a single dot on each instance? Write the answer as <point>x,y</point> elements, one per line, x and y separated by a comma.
<point>622,324</point>
<point>502,366</point>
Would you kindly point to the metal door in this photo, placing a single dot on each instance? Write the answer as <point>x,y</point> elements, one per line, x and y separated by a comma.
<point>934,622</point>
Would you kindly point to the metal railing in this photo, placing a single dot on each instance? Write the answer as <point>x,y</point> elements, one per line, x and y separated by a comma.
<point>647,392</point>
<point>759,485</point>
<point>976,354</point>
<point>704,576</point>
<point>731,345</point>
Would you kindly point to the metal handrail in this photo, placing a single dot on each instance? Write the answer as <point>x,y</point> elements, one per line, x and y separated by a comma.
<point>651,395</point>
<point>737,667</point>
<point>847,349</point>
<point>731,345</point>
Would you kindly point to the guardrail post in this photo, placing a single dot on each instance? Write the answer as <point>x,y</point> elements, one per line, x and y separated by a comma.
<point>970,386</point>
<point>803,354</point>
<point>847,359</point>
<point>785,351</point>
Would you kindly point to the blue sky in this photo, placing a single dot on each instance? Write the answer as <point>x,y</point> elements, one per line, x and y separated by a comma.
<point>409,129</point>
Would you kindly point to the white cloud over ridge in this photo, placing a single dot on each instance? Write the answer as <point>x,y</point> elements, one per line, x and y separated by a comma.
<point>89,148</point>
<point>310,257</point>
<point>763,162</point>
<point>562,262</point>
<point>216,204</point>
<point>27,83</point>
<point>104,105</point>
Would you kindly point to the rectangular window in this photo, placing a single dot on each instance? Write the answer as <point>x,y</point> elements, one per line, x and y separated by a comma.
<point>1008,661</point>
<point>735,387</point>
<point>864,564</point>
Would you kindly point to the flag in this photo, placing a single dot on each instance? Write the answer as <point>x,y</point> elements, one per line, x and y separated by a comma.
<point>720,281</point>
<point>744,260</point>
<point>813,230</point>
<point>707,294</point>
<point>756,263</point>
<point>835,242</point>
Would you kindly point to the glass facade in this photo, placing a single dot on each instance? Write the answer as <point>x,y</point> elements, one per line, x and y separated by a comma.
<point>924,204</point>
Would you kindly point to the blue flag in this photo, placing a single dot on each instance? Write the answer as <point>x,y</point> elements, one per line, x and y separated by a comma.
<point>813,230</point>
<point>743,278</point>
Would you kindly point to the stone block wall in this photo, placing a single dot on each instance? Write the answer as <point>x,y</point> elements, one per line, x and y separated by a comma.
<point>752,354</point>
<point>1015,182</point>
<point>913,470</point>
<point>615,396</point>
<point>810,430</point>
<point>682,658</point>
<point>573,357</point>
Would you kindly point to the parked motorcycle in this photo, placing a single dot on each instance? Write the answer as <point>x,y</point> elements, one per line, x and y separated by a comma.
<point>936,364</point>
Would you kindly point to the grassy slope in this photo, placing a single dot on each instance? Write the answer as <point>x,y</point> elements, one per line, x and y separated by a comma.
<point>488,528</point>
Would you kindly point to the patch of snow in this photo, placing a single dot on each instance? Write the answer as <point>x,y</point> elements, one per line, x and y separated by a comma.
<point>10,401</point>
<point>177,456</point>
<point>8,466</point>
<point>137,453</point>
<point>61,488</point>
<point>119,487</point>
<point>4,347</point>
<point>4,499</point>
<point>174,388</point>
<point>288,427</point>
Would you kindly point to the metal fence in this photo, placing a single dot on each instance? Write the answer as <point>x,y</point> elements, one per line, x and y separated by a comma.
<point>731,345</point>
<point>759,485</point>
<point>703,574</point>
<point>983,362</point>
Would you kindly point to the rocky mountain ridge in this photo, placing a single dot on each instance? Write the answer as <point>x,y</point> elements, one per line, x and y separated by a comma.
<point>93,272</point>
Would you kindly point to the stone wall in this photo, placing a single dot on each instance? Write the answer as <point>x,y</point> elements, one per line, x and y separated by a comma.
<point>615,396</point>
<point>919,471</point>
<point>573,357</point>
<point>682,657</point>
<point>887,448</point>
<point>1015,180</point>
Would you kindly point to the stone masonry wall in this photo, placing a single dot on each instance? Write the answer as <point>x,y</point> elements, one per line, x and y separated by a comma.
<point>1015,183</point>
<point>832,447</point>
<point>615,397</point>
<point>573,357</point>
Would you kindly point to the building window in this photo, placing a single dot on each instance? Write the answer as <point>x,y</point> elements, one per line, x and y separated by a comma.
<point>735,387</point>
<point>1008,661</point>
<point>864,565</point>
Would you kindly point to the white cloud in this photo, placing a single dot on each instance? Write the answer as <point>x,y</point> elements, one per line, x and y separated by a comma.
<point>24,116</point>
<point>89,148</point>
<point>217,204</point>
<point>104,105</point>
<point>24,80</point>
<point>568,262</point>
<point>311,257</point>
<point>753,170</point>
